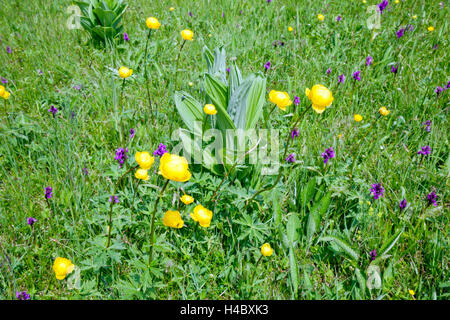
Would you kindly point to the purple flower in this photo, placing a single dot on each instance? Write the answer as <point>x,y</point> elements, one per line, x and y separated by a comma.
<point>338,18</point>
<point>328,154</point>
<point>267,65</point>
<point>190,14</point>
<point>31,221</point>
<point>439,90</point>
<point>39,71</point>
<point>228,70</point>
<point>427,124</point>
<point>431,197</point>
<point>369,60</point>
<point>77,87</point>
<point>426,150</point>
<point>373,254</point>
<point>132,132</point>
<point>85,171</point>
<point>125,37</point>
<point>400,33</point>
<point>223,14</point>
<point>116,199</point>
<point>356,75</point>
<point>121,156</point>
<point>8,49</point>
<point>268,1</point>
<point>410,27</point>
<point>53,110</point>
<point>436,46</point>
<point>341,78</point>
<point>447,86</point>
<point>48,192</point>
<point>394,69</point>
<point>377,190</point>
<point>4,80</point>
<point>402,204</point>
<point>296,100</point>
<point>22,295</point>
<point>382,5</point>
<point>290,158</point>
<point>160,151</point>
<point>328,70</point>
<point>295,133</point>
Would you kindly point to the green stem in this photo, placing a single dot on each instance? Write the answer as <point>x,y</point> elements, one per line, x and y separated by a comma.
<point>152,231</point>
<point>253,276</point>
<point>147,80</point>
<point>120,120</point>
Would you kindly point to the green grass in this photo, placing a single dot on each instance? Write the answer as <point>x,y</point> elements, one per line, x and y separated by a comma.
<point>219,262</point>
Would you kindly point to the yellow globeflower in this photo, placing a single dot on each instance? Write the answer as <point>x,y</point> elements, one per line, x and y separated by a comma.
<point>290,29</point>
<point>320,17</point>
<point>187,34</point>
<point>187,199</point>
<point>62,267</point>
<point>358,117</point>
<point>202,215</point>
<point>141,174</point>
<point>430,28</point>
<point>266,250</point>
<point>397,1</point>
<point>411,292</point>
<point>152,23</point>
<point>281,99</point>
<point>384,111</point>
<point>174,167</point>
<point>144,160</point>
<point>2,90</point>
<point>320,97</point>
<point>171,8</point>
<point>124,72</point>
<point>414,16</point>
<point>210,109</point>
<point>6,95</point>
<point>173,219</point>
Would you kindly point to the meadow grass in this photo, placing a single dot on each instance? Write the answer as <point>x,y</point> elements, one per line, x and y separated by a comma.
<point>220,262</point>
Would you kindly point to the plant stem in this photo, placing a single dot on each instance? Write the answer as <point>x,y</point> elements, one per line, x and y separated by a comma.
<point>253,276</point>
<point>120,120</point>
<point>147,80</point>
<point>152,231</point>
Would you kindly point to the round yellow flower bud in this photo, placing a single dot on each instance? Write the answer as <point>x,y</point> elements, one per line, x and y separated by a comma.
<point>414,17</point>
<point>320,97</point>
<point>202,215</point>
<point>174,167</point>
<point>358,117</point>
<point>397,1</point>
<point>290,29</point>
<point>187,34</point>
<point>411,292</point>
<point>124,72</point>
<point>144,160</point>
<point>141,174</point>
<point>187,199</point>
<point>173,219</point>
<point>430,28</point>
<point>190,83</point>
<point>384,111</point>
<point>320,17</point>
<point>62,267</point>
<point>152,23</point>
<point>171,8</point>
<point>266,250</point>
<point>210,109</point>
<point>6,95</point>
<point>281,99</point>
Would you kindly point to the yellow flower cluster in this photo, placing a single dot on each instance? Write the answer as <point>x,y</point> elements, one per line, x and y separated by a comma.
<point>145,161</point>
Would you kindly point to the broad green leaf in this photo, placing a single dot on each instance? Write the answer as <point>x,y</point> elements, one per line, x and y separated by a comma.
<point>217,92</point>
<point>255,102</point>
<point>342,244</point>
<point>292,227</point>
<point>234,81</point>
<point>293,270</point>
<point>189,109</point>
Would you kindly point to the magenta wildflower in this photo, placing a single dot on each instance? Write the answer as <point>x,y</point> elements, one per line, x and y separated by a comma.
<point>228,70</point>
<point>53,110</point>
<point>160,151</point>
<point>296,100</point>
<point>290,158</point>
<point>77,87</point>
<point>402,204</point>
<point>295,133</point>
<point>121,156</point>
<point>22,295</point>
<point>48,192</point>
<point>4,80</point>
<point>373,254</point>
<point>427,124</point>
<point>356,75</point>
<point>114,198</point>
<point>400,33</point>
<point>31,221</point>
<point>125,37</point>
<point>8,49</point>
<point>132,133</point>
<point>85,171</point>
<point>267,65</point>
<point>377,190</point>
<point>439,90</point>
<point>432,197</point>
<point>369,60</point>
<point>341,78</point>
<point>190,14</point>
<point>338,18</point>
<point>328,154</point>
<point>382,5</point>
<point>426,150</point>
<point>328,70</point>
<point>394,69</point>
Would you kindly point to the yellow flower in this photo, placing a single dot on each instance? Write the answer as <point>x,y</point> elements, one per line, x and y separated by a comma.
<point>187,34</point>
<point>430,28</point>
<point>173,219</point>
<point>397,1</point>
<point>364,1</point>
<point>281,99</point>
<point>320,17</point>
<point>141,174</point>
<point>266,250</point>
<point>358,117</point>
<point>290,29</point>
<point>2,90</point>
<point>190,84</point>
<point>320,97</point>
<point>340,135</point>
<point>6,95</point>
<point>411,292</point>
<point>210,109</point>
<point>210,35</point>
<point>171,8</point>
<point>384,111</point>
<point>124,72</point>
<point>187,199</point>
<point>62,267</point>
<point>144,160</point>
<point>202,215</point>
<point>414,16</point>
<point>174,167</point>
<point>152,23</point>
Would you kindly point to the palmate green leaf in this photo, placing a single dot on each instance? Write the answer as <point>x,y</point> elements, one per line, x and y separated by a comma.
<point>218,92</point>
<point>189,109</point>
<point>342,244</point>
<point>293,270</point>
